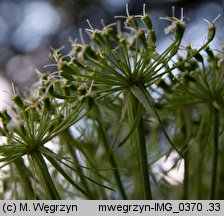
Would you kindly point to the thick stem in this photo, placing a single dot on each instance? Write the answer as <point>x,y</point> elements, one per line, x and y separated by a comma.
<point>215,153</point>
<point>44,176</point>
<point>138,141</point>
<point>220,195</point>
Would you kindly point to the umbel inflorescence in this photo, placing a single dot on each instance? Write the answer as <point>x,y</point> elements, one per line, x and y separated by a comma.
<point>114,72</point>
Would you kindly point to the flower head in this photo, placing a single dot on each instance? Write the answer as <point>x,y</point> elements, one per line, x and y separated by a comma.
<point>177,25</point>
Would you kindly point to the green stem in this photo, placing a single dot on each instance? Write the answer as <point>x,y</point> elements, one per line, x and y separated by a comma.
<point>138,139</point>
<point>200,172</point>
<point>44,176</point>
<point>67,138</point>
<point>112,161</point>
<point>185,131</point>
<point>221,177</point>
<point>25,179</point>
<point>215,153</point>
<point>186,174</point>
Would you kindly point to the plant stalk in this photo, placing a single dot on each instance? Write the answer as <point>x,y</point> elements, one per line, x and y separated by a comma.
<point>200,173</point>
<point>112,161</point>
<point>25,179</point>
<point>215,153</point>
<point>220,195</point>
<point>186,174</point>
<point>139,144</point>
<point>67,138</point>
<point>44,176</point>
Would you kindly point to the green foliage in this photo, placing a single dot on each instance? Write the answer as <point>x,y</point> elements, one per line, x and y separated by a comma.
<point>94,128</point>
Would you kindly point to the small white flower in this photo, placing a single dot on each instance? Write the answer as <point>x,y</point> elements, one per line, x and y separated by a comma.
<point>174,21</point>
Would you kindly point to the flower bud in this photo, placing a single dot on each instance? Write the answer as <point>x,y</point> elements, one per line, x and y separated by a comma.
<point>147,21</point>
<point>47,103</point>
<point>3,132</point>
<point>51,90</point>
<point>179,32</point>
<point>66,90</point>
<point>179,58</point>
<point>82,89</point>
<point>141,37</point>
<point>181,67</point>
<point>88,52</point>
<point>98,38</point>
<point>73,88</point>
<point>108,33</point>
<point>65,58</point>
<point>189,50</point>
<point>76,62</point>
<point>152,34</point>
<point>6,118</point>
<point>18,101</point>
<point>162,84</point>
<point>43,76</point>
<point>131,21</point>
<point>66,75</point>
<point>196,54</point>
<point>63,66</point>
<point>209,53</point>
<point>77,49</point>
<point>89,99</point>
<point>211,31</point>
<point>122,41</point>
<point>199,57</point>
<point>191,65</point>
